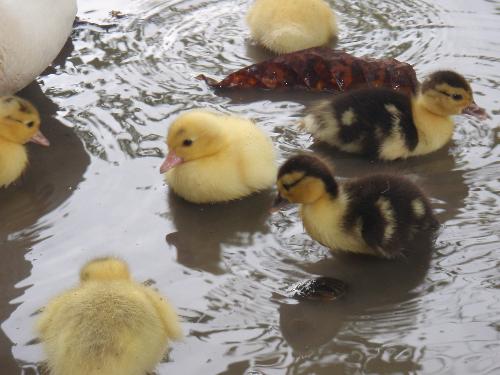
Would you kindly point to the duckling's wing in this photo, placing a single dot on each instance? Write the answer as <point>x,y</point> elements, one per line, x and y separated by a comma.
<point>372,227</point>
<point>167,314</point>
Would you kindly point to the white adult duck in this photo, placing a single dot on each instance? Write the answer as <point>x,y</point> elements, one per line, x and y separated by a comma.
<point>32,32</point>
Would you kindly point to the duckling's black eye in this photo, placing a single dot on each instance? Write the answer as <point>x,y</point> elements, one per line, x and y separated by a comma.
<point>457,97</point>
<point>30,124</point>
<point>291,184</point>
<point>187,142</point>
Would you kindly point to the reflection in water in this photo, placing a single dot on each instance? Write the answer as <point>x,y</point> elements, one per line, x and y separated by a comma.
<point>119,90</point>
<point>372,283</point>
<point>52,176</point>
<point>203,229</point>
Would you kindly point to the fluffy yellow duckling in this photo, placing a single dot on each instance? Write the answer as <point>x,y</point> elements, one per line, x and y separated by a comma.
<point>19,124</point>
<point>217,158</point>
<point>284,26</point>
<point>388,125</point>
<point>108,325</point>
<point>373,215</point>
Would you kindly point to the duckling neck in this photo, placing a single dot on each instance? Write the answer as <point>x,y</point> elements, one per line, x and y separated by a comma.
<point>434,129</point>
<point>429,106</point>
<point>13,160</point>
<point>5,142</point>
<point>323,200</point>
<point>322,216</point>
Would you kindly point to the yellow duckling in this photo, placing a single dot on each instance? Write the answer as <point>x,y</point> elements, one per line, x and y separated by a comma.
<point>217,158</point>
<point>19,124</point>
<point>108,325</point>
<point>388,125</point>
<point>284,26</point>
<point>374,215</point>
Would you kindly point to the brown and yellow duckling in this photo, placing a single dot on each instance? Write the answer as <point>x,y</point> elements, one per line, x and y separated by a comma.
<point>389,125</point>
<point>374,215</point>
<point>19,124</point>
<point>108,325</point>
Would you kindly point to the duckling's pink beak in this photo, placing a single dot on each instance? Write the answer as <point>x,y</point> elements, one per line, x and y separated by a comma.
<point>170,161</point>
<point>476,111</point>
<point>40,139</point>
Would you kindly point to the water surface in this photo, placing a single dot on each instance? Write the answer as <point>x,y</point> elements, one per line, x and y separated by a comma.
<point>107,105</point>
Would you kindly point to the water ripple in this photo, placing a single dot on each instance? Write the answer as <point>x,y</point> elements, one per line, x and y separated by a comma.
<point>227,267</point>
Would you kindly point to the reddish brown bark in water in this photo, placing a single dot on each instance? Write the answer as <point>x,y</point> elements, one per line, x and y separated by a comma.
<point>321,69</point>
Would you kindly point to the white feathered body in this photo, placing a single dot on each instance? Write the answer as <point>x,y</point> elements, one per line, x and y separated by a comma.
<point>32,33</point>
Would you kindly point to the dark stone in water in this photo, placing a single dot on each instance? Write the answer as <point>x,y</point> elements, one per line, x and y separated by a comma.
<point>321,288</point>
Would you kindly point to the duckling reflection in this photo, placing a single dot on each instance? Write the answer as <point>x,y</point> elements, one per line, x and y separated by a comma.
<point>366,356</point>
<point>53,176</point>
<point>202,229</point>
<point>372,282</point>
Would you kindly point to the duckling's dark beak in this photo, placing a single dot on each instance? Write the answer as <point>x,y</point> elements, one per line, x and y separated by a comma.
<point>40,139</point>
<point>170,161</point>
<point>476,111</point>
<point>278,204</point>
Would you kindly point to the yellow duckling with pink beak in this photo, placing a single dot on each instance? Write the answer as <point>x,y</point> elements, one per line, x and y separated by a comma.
<point>217,158</point>
<point>19,124</point>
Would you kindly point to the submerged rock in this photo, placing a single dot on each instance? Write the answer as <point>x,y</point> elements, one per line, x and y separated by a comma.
<point>320,288</point>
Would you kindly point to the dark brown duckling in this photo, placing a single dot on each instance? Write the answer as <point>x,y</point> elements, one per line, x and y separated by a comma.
<point>374,215</point>
<point>388,125</point>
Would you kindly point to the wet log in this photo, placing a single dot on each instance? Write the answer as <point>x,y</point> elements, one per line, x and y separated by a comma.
<point>321,69</point>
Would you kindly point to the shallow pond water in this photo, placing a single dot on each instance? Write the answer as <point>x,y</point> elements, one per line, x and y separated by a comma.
<point>106,106</point>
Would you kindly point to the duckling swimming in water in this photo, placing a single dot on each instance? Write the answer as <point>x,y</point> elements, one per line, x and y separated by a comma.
<point>388,125</point>
<point>19,124</point>
<point>374,215</point>
<point>108,325</point>
<point>284,26</point>
<point>216,158</point>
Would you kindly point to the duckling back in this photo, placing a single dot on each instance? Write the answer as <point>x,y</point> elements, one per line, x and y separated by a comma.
<point>290,25</point>
<point>107,327</point>
<point>376,122</point>
<point>375,215</point>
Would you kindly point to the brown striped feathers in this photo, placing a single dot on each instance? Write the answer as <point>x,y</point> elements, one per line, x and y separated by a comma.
<point>388,125</point>
<point>373,215</point>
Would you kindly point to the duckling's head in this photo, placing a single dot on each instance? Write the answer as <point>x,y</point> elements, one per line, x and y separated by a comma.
<point>446,93</point>
<point>305,179</point>
<point>192,136</point>
<point>20,121</point>
<point>104,269</point>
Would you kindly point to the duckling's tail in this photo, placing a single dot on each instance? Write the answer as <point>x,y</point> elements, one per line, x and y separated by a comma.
<point>289,38</point>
